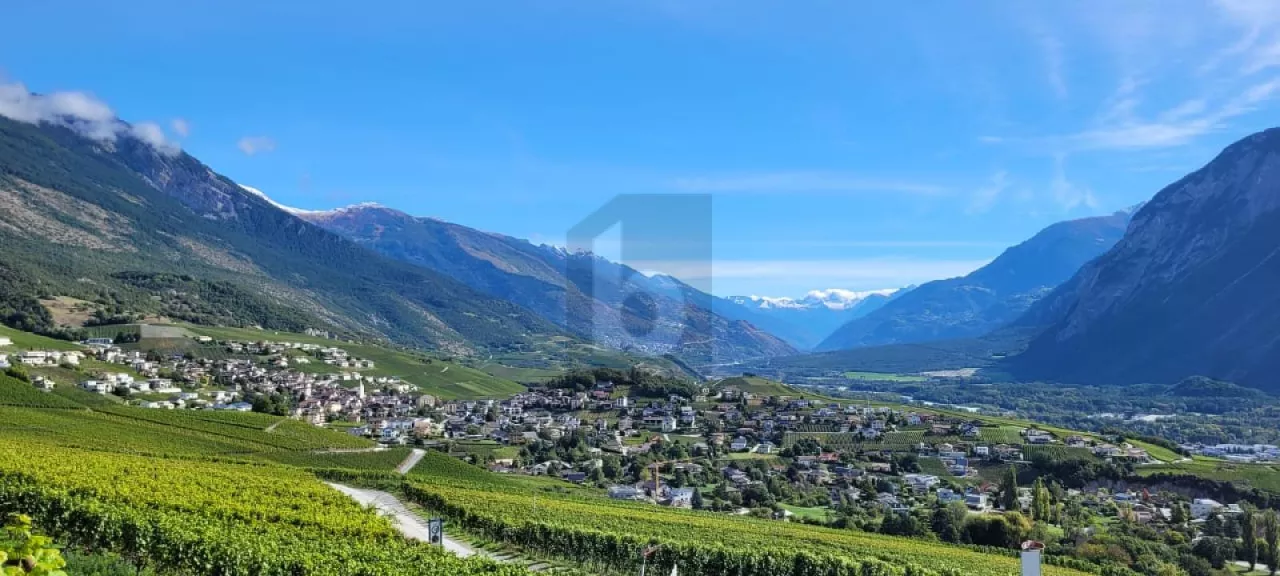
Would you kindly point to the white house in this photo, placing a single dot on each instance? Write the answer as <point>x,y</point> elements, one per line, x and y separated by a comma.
<point>738,444</point>
<point>1202,507</point>
<point>921,482</point>
<point>5,341</point>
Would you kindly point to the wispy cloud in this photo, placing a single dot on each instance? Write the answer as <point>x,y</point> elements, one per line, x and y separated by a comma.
<point>252,145</point>
<point>1120,129</point>
<point>78,111</point>
<point>811,182</point>
<point>1053,61</point>
<point>985,196</point>
<point>1067,194</point>
<point>180,127</point>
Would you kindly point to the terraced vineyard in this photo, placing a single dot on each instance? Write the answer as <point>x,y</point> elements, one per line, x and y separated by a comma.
<point>610,534</point>
<point>213,518</point>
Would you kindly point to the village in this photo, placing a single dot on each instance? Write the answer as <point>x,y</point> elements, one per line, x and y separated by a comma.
<point>718,448</point>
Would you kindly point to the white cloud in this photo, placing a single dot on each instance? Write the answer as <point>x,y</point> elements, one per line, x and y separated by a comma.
<point>1067,194</point>
<point>1121,129</point>
<point>252,145</point>
<point>78,111</point>
<point>180,127</point>
<point>985,196</point>
<point>800,182</point>
<point>1054,67</point>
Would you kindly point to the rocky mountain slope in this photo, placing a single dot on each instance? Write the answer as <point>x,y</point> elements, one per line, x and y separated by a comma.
<point>588,295</point>
<point>989,297</point>
<point>1189,290</point>
<point>113,219</point>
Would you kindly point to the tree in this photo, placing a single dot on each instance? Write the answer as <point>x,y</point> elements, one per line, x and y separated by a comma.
<point>1271,535</point>
<point>948,521</point>
<point>1248,538</point>
<point>18,373</point>
<point>1009,489</point>
<point>1041,505</point>
<point>697,499</point>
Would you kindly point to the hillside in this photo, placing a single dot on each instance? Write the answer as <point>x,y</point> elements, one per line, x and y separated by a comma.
<point>989,297</point>
<point>137,230</point>
<point>1189,290</point>
<point>581,293</point>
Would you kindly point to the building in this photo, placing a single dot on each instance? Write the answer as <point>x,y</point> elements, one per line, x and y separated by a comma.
<point>5,341</point>
<point>1202,508</point>
<point>921,482</point>
<point>625,493</point>
<point>681,497</point>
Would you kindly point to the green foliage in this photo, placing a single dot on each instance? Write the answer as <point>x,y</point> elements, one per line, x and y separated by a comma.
<point>549,519</point>
<point>17,392</point>
<point>640,382</point>
<point>23,552</point>
<point>192,517</point>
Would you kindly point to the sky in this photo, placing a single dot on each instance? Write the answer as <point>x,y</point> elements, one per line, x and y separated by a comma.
<point>855,145</point>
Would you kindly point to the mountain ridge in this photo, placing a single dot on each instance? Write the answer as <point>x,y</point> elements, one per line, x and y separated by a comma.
<point>989,297</point>
<point>1187,291</point>
<point>548,280</point>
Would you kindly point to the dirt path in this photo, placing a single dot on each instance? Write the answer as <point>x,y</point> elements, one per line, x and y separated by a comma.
<point>405,521</point>
<point>410,461</point>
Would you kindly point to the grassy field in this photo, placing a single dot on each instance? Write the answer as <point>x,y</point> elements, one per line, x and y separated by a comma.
<point>28,341</point>
<point>765,387</point>
<point>1264,476</point>
<point>884,377</point>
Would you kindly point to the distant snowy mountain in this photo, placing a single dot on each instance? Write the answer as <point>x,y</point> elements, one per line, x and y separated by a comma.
<point>804,322</point>
<point>831,299</point>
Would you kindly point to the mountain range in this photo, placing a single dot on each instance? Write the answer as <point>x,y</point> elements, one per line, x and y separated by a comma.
<point>806,321</point>
<point>988,297</point>
<point>612,304</point>
<point>1189,290</point>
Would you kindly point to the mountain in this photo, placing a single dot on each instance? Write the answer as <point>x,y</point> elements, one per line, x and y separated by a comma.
<point>1189,290</point>
<point>806,321</point>
<point>988,297</point>
<point>131,228</point>
<point>588,295</point>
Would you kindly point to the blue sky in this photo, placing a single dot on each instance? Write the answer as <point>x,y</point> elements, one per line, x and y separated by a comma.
<point>850,145</point>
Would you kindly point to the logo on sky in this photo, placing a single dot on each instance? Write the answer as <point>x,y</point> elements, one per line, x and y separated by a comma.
<point>650,298</point>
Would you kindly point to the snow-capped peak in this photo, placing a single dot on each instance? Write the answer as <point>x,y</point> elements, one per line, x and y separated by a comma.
<point>301,212</point>
<point>830,298</point>
<point>839,299</point>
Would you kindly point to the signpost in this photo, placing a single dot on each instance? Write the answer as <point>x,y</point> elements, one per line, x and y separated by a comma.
<point>435,531</point>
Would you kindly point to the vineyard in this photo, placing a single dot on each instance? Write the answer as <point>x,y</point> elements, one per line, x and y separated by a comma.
<point>609,535</point>
<point>212,518</point>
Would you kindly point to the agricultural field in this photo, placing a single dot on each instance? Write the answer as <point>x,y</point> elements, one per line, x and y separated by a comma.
<point>1263,476</point>
<point>376,460</point>
<point>608,534</point>
<point>28,341</point>
<point>885,377</point>
<point>195,517</point>
<point>764,387</point>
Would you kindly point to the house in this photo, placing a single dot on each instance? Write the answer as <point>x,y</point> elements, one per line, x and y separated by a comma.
<point>5,341</point>
<point>921,482</point>
<point>681,497</point>
<point>1202,508</point>
<point>976,501</point>
<point>668,424</point>
<point>739,444</point>
<point>947,496</point>
<point>766,448</point>
<point>625,493</point>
